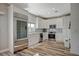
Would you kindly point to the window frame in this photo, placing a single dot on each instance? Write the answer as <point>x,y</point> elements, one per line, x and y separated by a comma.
<point>32,29</point>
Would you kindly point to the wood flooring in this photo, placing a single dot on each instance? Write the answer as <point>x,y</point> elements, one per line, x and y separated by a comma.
<point>46,48</point>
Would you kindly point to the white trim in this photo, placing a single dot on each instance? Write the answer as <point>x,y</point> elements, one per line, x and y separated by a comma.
<point>74,53</point>
<point>1,51</point>
<point>20,19</point>
<point>22,39</point>
<point>10,29</point>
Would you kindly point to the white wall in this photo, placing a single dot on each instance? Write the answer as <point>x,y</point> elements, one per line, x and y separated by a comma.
<point>19,10</point>
<point>3,28</point>
<point>3,32</point>
<point>75,28</point>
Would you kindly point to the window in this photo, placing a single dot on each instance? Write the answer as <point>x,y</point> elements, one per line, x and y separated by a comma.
<point>21,29</point>
<point>31,27</point>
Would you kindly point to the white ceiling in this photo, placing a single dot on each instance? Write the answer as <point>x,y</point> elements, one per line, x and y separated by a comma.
<point>46,10</point>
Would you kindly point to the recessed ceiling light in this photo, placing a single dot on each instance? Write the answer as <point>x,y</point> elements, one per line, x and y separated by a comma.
<point>54,8</point>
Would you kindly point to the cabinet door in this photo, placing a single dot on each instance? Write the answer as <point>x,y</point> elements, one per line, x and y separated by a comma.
<point>45,36</point>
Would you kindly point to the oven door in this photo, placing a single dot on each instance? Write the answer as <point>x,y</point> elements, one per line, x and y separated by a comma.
<point>51,36</point>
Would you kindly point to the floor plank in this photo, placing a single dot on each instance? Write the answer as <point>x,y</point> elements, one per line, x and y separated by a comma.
<point>46,48</point>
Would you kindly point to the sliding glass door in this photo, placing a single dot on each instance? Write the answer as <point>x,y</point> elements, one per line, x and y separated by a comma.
<point>21,29</point>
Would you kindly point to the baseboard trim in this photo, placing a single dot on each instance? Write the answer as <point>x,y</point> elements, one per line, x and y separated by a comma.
<point>1,51</point>
<point>74,54</point>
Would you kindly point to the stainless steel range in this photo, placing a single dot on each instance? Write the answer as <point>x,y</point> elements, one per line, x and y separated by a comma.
<point>52,32</point>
